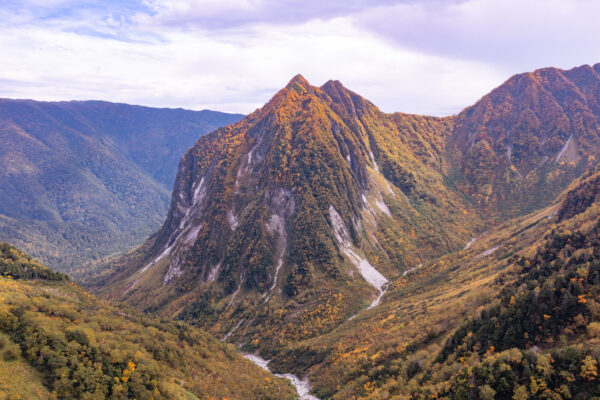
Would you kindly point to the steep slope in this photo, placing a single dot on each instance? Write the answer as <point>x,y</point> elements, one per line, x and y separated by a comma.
<point>287,223</point>
<point>73,346</point>
<point>512,316</point>
<point>346,244</point>
<point>523,143</point>
<point>82,180</point>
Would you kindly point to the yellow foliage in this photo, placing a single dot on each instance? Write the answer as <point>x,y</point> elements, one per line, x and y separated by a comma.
<point>589,369</point>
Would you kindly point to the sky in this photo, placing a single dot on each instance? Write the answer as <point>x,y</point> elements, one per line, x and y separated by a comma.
<point>428,57</point>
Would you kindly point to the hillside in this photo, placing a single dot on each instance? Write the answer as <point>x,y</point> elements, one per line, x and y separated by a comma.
<point>83,180</point>
<point>524,142</point>
<point>512,316</point>
<point>287,223</point>
<point>349,244</point>
<point>66,344</point>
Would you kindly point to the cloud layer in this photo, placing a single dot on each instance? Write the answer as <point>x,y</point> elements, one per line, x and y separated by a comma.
<point>429,57</point>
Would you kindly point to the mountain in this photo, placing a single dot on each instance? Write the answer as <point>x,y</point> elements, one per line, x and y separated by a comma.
<point>348,245</point>
<point>305,208</point>
<point>83,180</point>
<point>514,315</point>
<point>66,344</point>
<point>523,143</point>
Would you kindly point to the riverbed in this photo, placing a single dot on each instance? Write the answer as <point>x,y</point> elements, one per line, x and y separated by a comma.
<point>302,385</point>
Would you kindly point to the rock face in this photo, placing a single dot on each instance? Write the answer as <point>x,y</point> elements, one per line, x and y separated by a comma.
<point>287,223</point>
<point>82,180</point>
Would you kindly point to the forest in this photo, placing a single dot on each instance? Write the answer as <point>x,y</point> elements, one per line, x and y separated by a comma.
<point>71,345</point>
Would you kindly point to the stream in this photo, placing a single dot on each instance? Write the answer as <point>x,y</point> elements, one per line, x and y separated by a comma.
<point>302,386</point>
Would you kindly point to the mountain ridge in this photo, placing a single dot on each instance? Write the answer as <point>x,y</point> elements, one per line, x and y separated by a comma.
<point>83,180</point>
<point>316,209</point>
<point>281,148</point>
<point>522,128</point>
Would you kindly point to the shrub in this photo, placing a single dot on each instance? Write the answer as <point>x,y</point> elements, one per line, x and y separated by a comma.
<point>10,354</point>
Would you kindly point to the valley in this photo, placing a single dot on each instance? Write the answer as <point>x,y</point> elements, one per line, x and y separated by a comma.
<point>83,180</point>
<point>302,385</point>
<point>353,254</point>
<point>299,200</point>
<point>347,245</point>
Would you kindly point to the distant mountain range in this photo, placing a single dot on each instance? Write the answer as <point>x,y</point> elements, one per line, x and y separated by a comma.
<point>82,180</point>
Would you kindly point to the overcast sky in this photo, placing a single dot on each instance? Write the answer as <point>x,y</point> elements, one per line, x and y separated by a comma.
<point>428,56</point>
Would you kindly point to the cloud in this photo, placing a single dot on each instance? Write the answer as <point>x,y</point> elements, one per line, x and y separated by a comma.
<point>234,72</point>
<point>428,57</point>
<point>515,34</point>
<point>233,14</point>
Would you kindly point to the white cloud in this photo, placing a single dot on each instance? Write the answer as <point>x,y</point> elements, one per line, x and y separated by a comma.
<point>234,72</point>
<point>431,57</point>
<point>517,35</point>
<point>226,14</point>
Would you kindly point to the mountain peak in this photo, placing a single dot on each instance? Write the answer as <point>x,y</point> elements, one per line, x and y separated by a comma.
<point>298,80</point>
<point>332,83</point>
<point>283,209</point>
<point>333,88</point>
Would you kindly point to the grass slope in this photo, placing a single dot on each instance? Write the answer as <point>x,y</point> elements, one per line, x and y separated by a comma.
<point>69,345</point>
<point>18,379</point>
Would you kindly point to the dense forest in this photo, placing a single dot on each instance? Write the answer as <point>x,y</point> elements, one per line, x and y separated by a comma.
<point>71,345</point>
<point>83,180</point>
